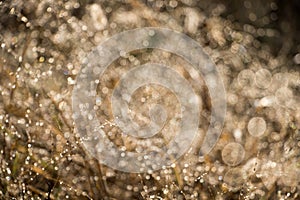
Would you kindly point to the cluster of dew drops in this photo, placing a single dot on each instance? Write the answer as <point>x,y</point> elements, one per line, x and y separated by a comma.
<point>263,110</point>
<point>37,143</point>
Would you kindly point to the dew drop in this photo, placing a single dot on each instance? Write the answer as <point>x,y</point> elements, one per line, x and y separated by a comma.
<point>98,101</point>
<point>245,78</point>
<point>297,59</point>
<point>151,33</point>
<point>284,96</point>
<point>257,126</point>
<point>233,154</point>
<point>263,78</point>
<point>234,178</point>
<point>145,43</point>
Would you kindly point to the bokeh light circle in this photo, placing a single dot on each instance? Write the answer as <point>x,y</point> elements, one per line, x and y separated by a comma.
<point>89,128</point>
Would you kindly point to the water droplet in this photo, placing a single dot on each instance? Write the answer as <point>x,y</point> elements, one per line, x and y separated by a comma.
<point>297,59</point>
<point>257,126</point>
<point>263,78</point>
<point>151,33</point>
<point>252,17</point>
<point>98,101</point>
<point>238,134</point>
<point>246,77</point>
<point>145,43</point>
<point>41,59</point>
<point>284,96</point>
<point>173,3</point>
<point>233,154</point>
<point>105,90</point>
<point>234,178</point>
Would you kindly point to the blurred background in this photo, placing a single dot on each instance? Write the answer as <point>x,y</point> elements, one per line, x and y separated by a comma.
<point>255,45</point>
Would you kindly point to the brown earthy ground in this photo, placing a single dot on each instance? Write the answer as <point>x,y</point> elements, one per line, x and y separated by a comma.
<point>255,45</point>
